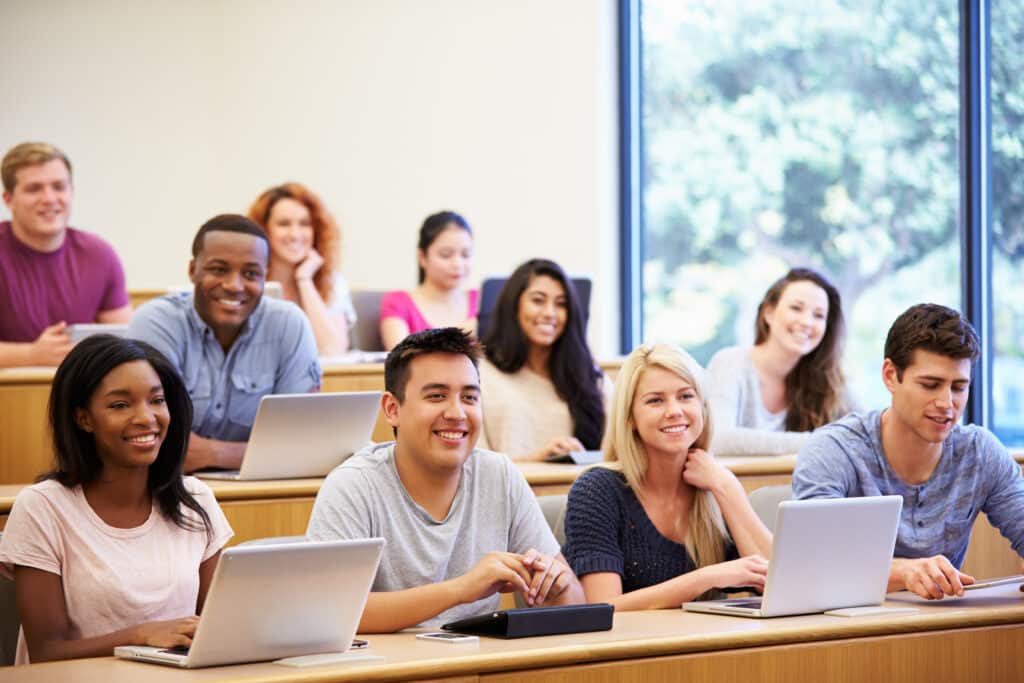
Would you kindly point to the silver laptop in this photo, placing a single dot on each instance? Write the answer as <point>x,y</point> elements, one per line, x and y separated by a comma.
<point>305,435</point>
<point>827,554</point>
<point>80,331</point>
<point>274,601</point>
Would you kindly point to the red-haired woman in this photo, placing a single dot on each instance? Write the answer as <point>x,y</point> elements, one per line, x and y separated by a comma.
<point>303,256</point>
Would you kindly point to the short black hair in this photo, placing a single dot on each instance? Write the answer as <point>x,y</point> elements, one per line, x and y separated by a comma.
<point>441,340</point>
<point>227,222</point>
<point>934,328</point>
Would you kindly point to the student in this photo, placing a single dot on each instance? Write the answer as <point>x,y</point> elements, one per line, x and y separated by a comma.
<point>543,392</point>
<point>231,345</point>
<point>114,547</point>
<point>916,448</point>
<point>445,253</point>
<point>51,275</point>
<point>766,398</point>
<point>671,524</point>
<point>303,258</point>
<point>461,524</point>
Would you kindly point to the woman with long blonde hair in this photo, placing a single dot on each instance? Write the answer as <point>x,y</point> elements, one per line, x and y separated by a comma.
<point>664,522</point>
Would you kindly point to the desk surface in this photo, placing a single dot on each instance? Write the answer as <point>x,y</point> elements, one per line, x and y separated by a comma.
<point>636,637</point>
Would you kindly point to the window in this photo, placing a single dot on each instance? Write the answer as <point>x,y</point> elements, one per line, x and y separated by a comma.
<point>1007,178</point>
<point>782,133</point>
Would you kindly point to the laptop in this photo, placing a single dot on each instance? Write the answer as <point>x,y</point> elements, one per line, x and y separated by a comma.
<point>80,331</point>
<point>827,554</point>
<point>274,601</point>
<point>304,435</point>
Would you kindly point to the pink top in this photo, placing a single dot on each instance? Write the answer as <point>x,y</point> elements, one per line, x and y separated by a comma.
<point>399,304</point>
<point>112,578</point>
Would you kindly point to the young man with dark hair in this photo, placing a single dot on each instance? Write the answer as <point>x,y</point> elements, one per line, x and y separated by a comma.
<point>51,275</point>
<point>946,472</point>
<point>231,346</point>
<point>461,524</point>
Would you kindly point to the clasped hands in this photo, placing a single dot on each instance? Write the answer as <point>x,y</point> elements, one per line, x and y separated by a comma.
<point>537,577</point>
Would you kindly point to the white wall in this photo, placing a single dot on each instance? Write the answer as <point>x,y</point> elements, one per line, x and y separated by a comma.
<point>172,112</point>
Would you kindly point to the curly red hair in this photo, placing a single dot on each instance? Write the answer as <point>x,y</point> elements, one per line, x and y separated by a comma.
<point>326,235</point>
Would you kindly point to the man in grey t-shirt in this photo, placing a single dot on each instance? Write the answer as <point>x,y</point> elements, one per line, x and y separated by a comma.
<point>461,524</point>
<point>946,473</point>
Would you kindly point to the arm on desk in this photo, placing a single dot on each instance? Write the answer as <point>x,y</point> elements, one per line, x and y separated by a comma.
<point>607,586</point>
<point>203,452</point>
<point>44,619</point>
<point>48,349</point>
<point>392,611</point>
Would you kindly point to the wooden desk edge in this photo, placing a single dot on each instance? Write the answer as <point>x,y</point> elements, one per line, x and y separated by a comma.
<point>639,647</point>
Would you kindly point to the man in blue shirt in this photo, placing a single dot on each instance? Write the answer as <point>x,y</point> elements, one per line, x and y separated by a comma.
<point>946,472</point>
<point>231,346</point>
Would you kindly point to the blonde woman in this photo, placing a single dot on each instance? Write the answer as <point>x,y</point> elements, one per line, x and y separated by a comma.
<point>664,522</point>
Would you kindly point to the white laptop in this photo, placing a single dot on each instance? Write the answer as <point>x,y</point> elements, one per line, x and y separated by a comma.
<point>275,601</point>
<point>827,554</point>
<point>305,435</point>
<point>80,331</point>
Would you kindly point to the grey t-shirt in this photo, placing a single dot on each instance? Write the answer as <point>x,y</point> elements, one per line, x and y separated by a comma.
<point>975,474</point>
<point>493,510</point>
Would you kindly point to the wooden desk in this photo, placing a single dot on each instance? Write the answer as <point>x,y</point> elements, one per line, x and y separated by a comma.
<point>977,639</point>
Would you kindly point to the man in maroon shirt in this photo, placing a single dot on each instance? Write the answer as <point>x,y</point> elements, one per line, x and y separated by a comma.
<point>51,275</point>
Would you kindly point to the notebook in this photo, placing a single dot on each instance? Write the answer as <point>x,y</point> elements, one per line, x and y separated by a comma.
<point>274,601</point>
<point>304,435</point>
<point>827,554</point>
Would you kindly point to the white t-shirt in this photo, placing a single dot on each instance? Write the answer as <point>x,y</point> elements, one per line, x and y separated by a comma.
<point>493,510</point>
<point>112,578</point>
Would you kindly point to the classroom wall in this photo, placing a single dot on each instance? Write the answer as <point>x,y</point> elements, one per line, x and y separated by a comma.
<point>172,112</point>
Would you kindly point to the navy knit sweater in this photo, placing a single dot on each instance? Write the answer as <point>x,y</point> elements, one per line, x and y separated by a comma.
<point>607,530</point>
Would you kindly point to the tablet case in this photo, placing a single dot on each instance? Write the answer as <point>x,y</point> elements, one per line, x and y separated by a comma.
<point>537,621</point>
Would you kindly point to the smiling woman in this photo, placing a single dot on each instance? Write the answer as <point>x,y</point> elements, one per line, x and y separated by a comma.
<point>115,546</point>
<point>543,394</point>
<point>768,397</point>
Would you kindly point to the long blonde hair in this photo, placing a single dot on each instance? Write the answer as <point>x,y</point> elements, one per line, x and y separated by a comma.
<point>706,535</point>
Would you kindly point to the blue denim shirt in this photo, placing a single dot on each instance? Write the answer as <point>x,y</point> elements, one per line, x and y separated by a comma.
<point>274,354</point>
<point>975,474</point>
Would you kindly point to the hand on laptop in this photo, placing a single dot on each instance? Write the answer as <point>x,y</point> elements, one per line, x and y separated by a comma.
<point>751,570</point>
<point>929,577</point>
<point>558,446</point>
<point>549,578</point>
<point>170,633</point>
<point>497,572</point>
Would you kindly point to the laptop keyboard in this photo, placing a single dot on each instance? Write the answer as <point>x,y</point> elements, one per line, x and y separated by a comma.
<point>177,650</point>
<point>752,604</point>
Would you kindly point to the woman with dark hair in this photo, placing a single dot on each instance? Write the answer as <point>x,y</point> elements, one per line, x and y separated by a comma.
<point>769,397</point>
<point>544,395</point>
<point>304,241</point>
<point>114,546</point>
<point>444,255</point>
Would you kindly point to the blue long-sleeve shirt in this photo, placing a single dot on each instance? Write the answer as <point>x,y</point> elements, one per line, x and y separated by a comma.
<point>974,474</point>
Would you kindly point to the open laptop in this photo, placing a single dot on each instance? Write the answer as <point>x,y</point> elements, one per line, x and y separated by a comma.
<point>827,554</point>
<point>304,435</point>
<point>274,601</point>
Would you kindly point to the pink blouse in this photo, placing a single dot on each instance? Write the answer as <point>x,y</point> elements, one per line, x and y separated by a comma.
<point>399,304</point>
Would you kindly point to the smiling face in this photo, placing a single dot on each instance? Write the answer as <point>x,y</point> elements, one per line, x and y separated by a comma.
<point>127,416</point>
<point>543,310</point>
<point>931,396</point>
<point>40,202</point>
<point>228,274</point>
<point>797,323</point>
<point>290,231</point>
<point>667,413</point>
<point>447,260</point>
<point>439,419</point>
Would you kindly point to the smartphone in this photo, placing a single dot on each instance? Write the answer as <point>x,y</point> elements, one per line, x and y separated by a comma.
<point>445,637</point>
<point>359,644</point>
